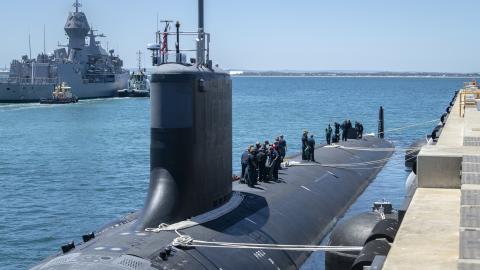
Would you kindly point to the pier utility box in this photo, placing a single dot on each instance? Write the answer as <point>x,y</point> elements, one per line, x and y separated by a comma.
<point>438,169</point>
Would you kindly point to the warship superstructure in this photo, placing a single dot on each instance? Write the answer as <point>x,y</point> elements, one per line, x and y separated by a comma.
<point>89,69</point>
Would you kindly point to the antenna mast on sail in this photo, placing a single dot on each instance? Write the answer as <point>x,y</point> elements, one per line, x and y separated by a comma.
<point>201,35</point>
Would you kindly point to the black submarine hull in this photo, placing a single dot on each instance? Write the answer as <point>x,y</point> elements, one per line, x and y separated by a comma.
<point>300,209</point>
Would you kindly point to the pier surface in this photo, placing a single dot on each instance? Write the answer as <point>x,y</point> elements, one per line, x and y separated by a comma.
<point>441,228</point>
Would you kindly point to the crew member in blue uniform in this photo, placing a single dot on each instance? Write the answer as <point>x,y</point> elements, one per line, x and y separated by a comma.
<point>311,146</point>
<point>244,163</point>
<point>328,133</point>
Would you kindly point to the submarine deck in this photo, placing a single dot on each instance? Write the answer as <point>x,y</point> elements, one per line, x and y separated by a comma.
<point>441,227</point>
<point>299,209</point>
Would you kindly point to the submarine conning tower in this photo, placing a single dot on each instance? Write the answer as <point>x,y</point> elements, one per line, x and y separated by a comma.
<point>191,133</point>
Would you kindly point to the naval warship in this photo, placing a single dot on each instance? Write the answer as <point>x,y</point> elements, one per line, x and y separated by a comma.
<point>89,69</point>
<point>194,217</point>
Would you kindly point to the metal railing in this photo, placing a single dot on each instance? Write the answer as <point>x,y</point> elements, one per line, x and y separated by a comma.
<point>164,53</point>
<point>467,97</point>
<point>29,81</point>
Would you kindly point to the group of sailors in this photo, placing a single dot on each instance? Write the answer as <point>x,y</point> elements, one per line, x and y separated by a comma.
<point>308,142</point>
<point>261,162</point>
<point>348,131</point>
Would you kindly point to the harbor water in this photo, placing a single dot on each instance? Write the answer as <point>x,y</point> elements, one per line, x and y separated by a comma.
<point>66,170</point>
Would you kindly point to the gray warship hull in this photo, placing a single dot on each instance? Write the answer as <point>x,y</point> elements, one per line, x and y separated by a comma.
<point>83,64</point>
<point>17,92</point>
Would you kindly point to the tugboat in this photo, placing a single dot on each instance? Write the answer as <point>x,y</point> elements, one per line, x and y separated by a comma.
<point>61,95</point>
<point>138,85</point>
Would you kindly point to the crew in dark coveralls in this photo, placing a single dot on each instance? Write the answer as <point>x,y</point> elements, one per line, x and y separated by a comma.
<point>282,147</point>
<point>337,133</point>
<point>311,145</point>
<point>252,168</point>
<point>304,145</point>
<point>328,133</point>
<point>261,161</point>
<point>274,163</point>
<point>244,162</point>
<point>344,127</point>
<point>349,127</point>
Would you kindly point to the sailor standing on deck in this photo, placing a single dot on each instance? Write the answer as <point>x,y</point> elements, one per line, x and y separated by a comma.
<point>282,147</point>
<point>274,162</point>
<point>311,145</point>
<point>337,133</point>
<point>349,128</point>
<point>244,162</point>
<point>328,133</point>
<point>304,145</point>
<point>252,168</point>
<point>261,161</point>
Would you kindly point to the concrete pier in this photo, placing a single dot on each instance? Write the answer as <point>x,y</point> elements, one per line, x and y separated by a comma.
<point>441,229</point>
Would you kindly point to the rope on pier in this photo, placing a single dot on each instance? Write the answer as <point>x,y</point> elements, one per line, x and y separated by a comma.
<point>186,241</point>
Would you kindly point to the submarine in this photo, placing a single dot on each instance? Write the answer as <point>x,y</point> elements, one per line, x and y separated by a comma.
<point>194,216</point>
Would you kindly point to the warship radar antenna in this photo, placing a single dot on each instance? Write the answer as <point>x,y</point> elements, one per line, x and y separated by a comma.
<point>76,5</point>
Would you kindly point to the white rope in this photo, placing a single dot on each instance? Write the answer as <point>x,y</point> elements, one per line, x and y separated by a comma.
<point>235,200</point>
<point>413,125</point>
<point>186,241</point>
<point>379,149</point>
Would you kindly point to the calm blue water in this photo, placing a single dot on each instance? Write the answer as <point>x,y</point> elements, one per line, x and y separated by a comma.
<point>67,170</point>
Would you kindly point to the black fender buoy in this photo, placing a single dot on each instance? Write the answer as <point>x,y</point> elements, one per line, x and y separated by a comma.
<point>355,232</point>
<point>352,232</point>
<point>449,108</point>
<point>368,253</point>
<point>385,229</point>
<point>436,132</point>
<point>443,118</point>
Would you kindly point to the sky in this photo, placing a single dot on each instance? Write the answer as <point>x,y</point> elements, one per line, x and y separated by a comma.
<point>313,35</point>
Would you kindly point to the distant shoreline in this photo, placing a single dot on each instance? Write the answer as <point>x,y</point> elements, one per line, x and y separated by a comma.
<point>357,75</point>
